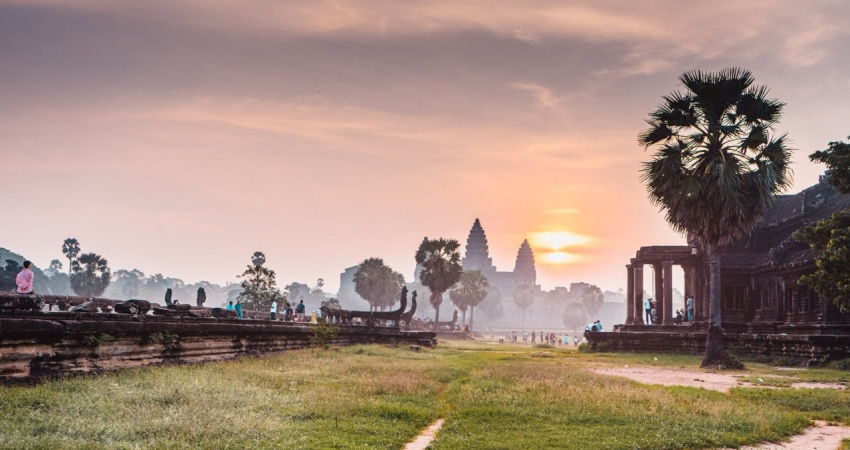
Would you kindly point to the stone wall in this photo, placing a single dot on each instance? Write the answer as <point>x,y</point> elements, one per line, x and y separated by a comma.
<point>37,345</point>
<point>806,344</point>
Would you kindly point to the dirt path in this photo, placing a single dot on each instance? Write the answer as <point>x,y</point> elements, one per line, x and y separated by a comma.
<point>819,437</point>
<point>709,380</point>
<point>425,437</point>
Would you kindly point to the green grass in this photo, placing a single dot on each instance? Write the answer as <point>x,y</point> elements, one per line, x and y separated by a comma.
<point>492,396</point>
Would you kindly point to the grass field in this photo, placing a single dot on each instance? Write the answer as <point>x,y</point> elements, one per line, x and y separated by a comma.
<point>492,396</point>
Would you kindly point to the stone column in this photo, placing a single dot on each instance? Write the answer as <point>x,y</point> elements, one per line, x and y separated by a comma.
<point>630,296</point>
<point>638,292</point>
<point>660,312</point>
<point>668,293</point>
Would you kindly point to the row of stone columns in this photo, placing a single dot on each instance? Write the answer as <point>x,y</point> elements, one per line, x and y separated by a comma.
<point>663,292</point>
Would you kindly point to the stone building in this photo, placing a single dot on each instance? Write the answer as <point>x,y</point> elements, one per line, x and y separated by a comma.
<point>762,303</point>
<point>477,257</point>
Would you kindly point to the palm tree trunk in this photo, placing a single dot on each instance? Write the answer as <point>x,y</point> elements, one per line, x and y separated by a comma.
<point>471,317</point>
<point>714,339</point>
<point>463,320</point>
<point>436,308</point>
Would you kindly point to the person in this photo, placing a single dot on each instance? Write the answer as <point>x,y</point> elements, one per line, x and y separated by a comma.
<point>533,337</point>
<point>287,313</point>
<point>647,305</point>
<point>690,305</point>
<point>230,306</point>
<point>576,341</point>
<point>566,340</point>
<point>273,309</point>
<point>679,316</point>
<point>525,337</point>
<point>24,279</point>
<point>559,339</point>
<point>239,308</point>
<point>299,311</point>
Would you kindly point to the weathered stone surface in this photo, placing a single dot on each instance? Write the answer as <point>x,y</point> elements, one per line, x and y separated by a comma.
<point>809,343</point>
<point>39,345</point>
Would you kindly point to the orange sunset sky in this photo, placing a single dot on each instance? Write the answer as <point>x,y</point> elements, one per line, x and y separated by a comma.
<point>180,136</point>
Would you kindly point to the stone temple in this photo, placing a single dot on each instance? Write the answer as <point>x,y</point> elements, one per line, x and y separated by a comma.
<point>477,257</point>
<point>764,309</point>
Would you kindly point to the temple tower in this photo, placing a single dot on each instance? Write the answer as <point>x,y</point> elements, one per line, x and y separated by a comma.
<point>524,271</point>
<point>477,253</point>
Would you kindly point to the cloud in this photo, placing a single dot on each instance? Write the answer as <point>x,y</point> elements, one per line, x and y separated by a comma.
<point>543,94</point>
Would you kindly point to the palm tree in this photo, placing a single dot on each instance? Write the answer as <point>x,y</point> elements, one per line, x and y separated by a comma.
<point>716,168</point>
<point>441,269</point>
<point>90,275</point>
<point>469,292</point>
<point>71,248</point>
<point>378,283</point>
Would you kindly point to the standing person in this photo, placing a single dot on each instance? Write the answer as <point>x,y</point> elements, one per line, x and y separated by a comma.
<point>24,279</point>
<point>566,340</point>
<point>575,340</point>
<point>690,304</point>
<point>299,311</point>
<point>273,311</point>
<point>239,308</point>
<point>533,337</point>
<point>230,306</point>
<point>287,313</point>
<point>647,305</point>
<point>525,337</point>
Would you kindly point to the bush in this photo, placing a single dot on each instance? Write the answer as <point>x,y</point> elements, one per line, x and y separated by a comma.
<point>841,364</point>
<point>543,346</point>
<point>584,348</point>
<point>730,361</point>
<point>165,338</point>
<point>323,334</point>
<point>95,340</point>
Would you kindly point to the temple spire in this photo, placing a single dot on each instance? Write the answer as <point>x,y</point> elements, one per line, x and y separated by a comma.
<point>525,270</point>
<point>477,255</point>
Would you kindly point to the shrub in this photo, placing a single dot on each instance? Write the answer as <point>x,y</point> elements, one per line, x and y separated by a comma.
<point>165,338</point>
<point>323,334</point>
<point>543,346</point>
<point>730,361</point>
<point>584,348</point>
<point>841,364</point>
<point>95,340</point>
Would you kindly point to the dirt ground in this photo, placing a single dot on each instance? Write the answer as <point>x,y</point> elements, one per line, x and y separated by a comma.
<point>708,380</point>
<point>822,436</point>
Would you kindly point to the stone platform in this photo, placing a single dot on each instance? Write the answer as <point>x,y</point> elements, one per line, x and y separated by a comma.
<point>809,343</point>
<point>35,345</point>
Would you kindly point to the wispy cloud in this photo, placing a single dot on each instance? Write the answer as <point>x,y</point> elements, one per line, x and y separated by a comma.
<point>542,94</point>
<point>563,211</point>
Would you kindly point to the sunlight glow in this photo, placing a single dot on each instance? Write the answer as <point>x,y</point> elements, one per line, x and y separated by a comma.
<point>557,240</point>
<point>558,258</point>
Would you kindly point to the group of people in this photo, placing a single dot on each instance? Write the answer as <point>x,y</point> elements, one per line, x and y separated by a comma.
<point>559,339</point>
<point>682,315</point>
<point>289,314</point>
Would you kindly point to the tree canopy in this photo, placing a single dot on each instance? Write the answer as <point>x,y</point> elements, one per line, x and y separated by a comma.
<point>377,283</point>
<point>90,275</point>
<point>441,268</point>
<point>717,166</point>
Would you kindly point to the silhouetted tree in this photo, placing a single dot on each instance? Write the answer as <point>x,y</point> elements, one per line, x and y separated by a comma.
<point>441,269</point>
<point>90,275</point>
<point>259,285</point>
<point>377,283</point>
<point>469,292</point>
<point>71,248</point>
<point>717,168</point>
<point>523,298</point>
<point>575,316</point>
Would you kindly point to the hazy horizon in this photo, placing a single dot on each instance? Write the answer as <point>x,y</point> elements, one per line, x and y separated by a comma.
<point>180,137</point>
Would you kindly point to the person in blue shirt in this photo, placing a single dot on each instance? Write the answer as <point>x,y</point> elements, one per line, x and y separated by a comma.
<point>230,306</point>
<point>647,305</point>
<point>239,308</point>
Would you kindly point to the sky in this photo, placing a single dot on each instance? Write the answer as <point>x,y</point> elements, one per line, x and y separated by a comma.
<point>180,136</point>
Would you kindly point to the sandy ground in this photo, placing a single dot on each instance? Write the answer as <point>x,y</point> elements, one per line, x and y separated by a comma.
<point>709,380</point>
<point>820,437</point>
<point>425,437</point>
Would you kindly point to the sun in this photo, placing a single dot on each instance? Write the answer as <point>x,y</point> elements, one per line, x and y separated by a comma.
<point>559,258</point>
<point>557,240</point>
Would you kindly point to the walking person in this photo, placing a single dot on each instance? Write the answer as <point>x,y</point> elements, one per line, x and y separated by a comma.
<point>299,311</point>
<point>24,279</point>
<point>273,311</point>
<point>239,308</point>
<point>647,305</point>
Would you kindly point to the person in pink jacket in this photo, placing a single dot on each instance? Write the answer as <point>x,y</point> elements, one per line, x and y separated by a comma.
<point>24,279</point>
